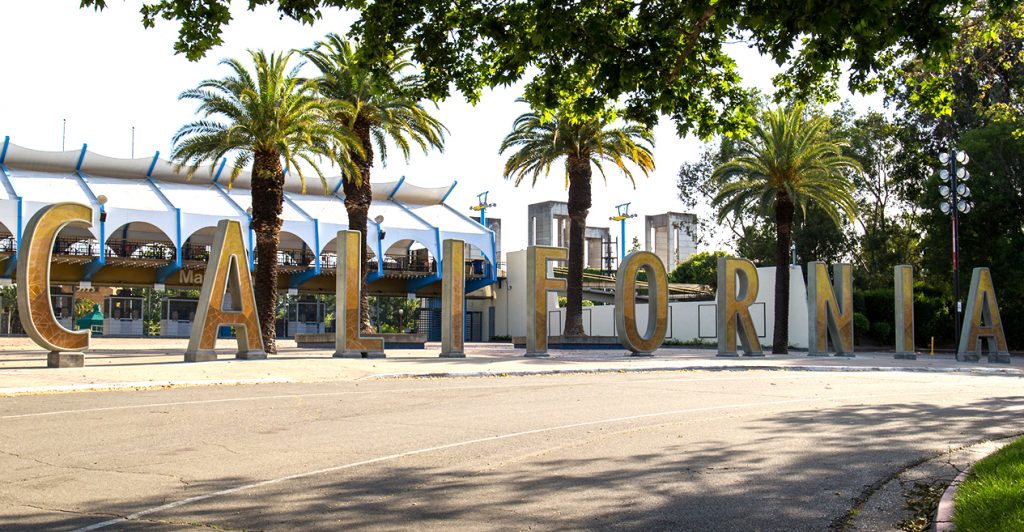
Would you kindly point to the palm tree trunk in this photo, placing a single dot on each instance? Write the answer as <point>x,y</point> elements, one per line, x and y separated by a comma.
<point>358,197</point>
<point>783,238</point>
<point>267,200</point>
<point>579,207</point>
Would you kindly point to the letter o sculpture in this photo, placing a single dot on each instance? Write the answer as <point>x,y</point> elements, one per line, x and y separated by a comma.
<point>657,303</point>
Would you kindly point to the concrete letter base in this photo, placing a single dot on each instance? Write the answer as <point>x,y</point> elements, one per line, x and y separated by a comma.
<point>57,359</point>
<point>640,353</point>
<point>251,355</point>
<point>999,358</point>
<point>536,355</point>
<point>359,354</point>
<point>905,356</point>
<point>967,357</point>
<point>201,355</point>
<point>453,354</point>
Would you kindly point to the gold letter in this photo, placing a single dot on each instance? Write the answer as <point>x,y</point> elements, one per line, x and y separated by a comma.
<point>34,305</point>
<point>982,322</point>
<point>830,319</point>
<point>737,290</point>
<point>537,286</point>
<point>348,343</point>
<point>227,272</point>
<point>657,303</point>
<point>905,312</point>
<point>453,288</point>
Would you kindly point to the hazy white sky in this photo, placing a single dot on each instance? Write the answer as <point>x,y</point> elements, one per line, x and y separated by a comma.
<point>105,74</point>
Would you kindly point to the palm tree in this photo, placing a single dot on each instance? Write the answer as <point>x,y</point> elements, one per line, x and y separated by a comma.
<point>377,103</point>
<point>788,161</point>
<point>263,117</point>
<point>540,142</point>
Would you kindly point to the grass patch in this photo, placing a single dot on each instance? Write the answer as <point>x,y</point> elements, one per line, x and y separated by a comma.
<point>992,497</point>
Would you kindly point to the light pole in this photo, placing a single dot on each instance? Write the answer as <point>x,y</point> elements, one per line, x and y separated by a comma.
<point>482,206</point>
<point>955,202</point>
<point>621,217</point>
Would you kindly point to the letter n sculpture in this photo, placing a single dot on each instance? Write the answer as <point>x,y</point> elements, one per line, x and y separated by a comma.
<point>227,298</point>
<point>831,310</point>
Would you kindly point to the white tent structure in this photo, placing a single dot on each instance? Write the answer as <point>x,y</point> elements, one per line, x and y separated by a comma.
<point>146,209</point>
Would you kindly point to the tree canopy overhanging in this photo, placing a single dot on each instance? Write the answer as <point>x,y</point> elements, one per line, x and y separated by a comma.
<point>655,57</point>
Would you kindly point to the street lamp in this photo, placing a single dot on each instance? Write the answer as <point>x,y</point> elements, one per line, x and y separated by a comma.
<point>482,206</point>
<point>955,201</point>
<point>621,217</point>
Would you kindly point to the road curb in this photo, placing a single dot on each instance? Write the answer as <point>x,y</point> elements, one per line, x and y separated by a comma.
<point>581,371</point>
<point>944,513</point>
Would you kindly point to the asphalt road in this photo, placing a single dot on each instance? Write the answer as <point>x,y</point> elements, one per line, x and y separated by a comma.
<point>764,450</point>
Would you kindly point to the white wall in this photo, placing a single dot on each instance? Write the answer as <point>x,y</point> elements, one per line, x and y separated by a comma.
<point>687,320</point>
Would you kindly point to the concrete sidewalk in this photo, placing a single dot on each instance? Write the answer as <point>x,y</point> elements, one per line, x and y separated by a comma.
<point>153,363</point>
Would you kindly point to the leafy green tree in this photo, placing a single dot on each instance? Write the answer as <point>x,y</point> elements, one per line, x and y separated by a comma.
<point>376,102</point>
<point>658,57</point>
<point>788,162</point>
<point>701,268</point>
<point>265,117</point>
<point>538,142</point>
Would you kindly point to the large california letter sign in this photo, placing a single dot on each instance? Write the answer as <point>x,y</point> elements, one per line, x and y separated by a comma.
<point>34,305</point>
<point>348,343</point>
<point>737,290</point>
<point>226,273</point>
<point>657,303</point>
<point>537,286</point>
<point>831,309</point>
<point>982,322</point>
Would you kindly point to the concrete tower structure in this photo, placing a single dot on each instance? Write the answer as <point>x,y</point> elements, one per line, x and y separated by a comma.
<point>548,225</point>
<point>672,234</point>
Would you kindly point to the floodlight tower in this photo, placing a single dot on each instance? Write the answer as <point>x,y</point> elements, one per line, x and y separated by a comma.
<point>482,206</point>
<point>954,203</point>
<point>621,217</point>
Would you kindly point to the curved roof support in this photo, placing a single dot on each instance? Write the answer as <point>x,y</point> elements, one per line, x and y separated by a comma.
<point>81,158</point>
<point>449,193</point>
<point>220,168</point>
<point>494,252</point>
<point>152,165</point>
<point>395,190</point>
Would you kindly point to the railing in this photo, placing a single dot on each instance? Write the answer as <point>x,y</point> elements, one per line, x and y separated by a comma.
<point>137,249</point>
<point>7,243</point>
<point>197,252</point>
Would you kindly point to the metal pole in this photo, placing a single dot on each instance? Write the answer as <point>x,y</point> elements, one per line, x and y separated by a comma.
<point>956,252</point>
<point>63,134</point>
<point>622,240</point>
<point>133,142</point>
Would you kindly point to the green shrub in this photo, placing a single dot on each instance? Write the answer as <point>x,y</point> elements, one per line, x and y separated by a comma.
<point>882,331</point>
<point>861,325</point>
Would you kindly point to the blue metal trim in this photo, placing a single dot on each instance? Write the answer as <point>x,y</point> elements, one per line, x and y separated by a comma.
<point>296,279</point>
<point>413,285</point>
<point>21,224</point>
<point>472,221</point>
<point>177,260</point>
<point>316,241</point>
<point>296,206</point>
<point>398,186</point>
<point>81,158</point>
<point>380,254</point>
<point>3,154</point>
<point>341,180</point>
<point>220,169</point>
<point>152,165</point>
<point>622,240</point>
<point>165,271</point>
<point>91,268</point>
<point>494,259</point>
<point>103,238</point>
<point>5,175</point>
<point>252,237</point>
<point>449,193</point>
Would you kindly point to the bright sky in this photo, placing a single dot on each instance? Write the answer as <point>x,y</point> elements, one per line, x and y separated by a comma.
<point>105,74</point>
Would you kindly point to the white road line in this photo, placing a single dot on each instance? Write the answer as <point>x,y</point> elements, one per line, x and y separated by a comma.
<point>364,392</point>
<point>386,458</point>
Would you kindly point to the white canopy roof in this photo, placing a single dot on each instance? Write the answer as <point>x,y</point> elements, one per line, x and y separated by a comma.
<point>143,193</point>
